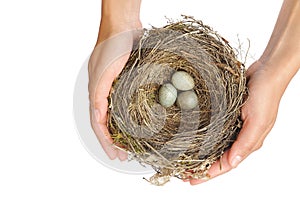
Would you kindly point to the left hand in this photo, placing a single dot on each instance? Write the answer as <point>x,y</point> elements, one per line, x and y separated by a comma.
<point>258,115</point>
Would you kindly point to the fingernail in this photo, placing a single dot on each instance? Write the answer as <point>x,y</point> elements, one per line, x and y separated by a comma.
<point>236,161</point>
<point>97,114</point>
<point>122,155</point>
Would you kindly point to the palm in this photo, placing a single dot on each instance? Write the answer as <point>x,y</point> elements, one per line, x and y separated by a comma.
<point>106,63</point>
<point>258,114</point>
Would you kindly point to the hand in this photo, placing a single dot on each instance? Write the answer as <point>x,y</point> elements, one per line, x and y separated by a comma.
<point>106,62</point>
<point>258,114</point>
<point>267,81</point>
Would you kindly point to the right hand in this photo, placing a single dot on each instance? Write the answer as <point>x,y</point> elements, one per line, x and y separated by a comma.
<point>106,62</point>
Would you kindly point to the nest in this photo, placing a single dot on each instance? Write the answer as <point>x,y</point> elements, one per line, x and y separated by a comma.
<point>175,142</point>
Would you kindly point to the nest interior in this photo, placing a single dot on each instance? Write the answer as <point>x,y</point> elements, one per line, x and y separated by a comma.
<point>175,142</point>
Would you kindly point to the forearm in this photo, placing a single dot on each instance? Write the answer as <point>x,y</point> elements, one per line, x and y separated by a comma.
<point>283,50</point>
<point>121,10</point>
<point>118,16</point>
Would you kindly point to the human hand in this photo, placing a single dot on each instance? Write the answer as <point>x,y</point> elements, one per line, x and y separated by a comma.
<point>110,55</point>
<point>267,81</point>
<point>258,115</point>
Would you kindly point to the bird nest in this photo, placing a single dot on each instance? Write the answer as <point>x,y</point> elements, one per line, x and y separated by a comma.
<point>177,142</point>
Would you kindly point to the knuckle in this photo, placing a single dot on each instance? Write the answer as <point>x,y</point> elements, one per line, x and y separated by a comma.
<point>258,146</point>
<point>251,146</point>
<point>247,148</point>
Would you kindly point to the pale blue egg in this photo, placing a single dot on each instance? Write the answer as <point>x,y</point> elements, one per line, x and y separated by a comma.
<point>187,100</point>
<point>167,95</point>
<point>182,81</point>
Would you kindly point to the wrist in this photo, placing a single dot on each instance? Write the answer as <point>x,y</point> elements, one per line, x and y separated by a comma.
<point>283,64</point>
<point>119,16</point>
<point>277,72</point>
<point>118,12</point>
<point>281,56</point>
<point>124,20</point>
<point>108,29</point>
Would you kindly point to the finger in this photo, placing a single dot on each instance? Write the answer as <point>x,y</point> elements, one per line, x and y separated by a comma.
<point>122,155</point>
<point>249,139</point>
<point>100,106</point>
<point>103,137</point>
<point>220,167</point>
<point>105,65</point>
<point>106,141</point>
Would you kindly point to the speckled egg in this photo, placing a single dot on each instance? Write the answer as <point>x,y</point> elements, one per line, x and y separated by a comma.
<point>187,100</point>
<point>182,81</point>
<point>167,95</point>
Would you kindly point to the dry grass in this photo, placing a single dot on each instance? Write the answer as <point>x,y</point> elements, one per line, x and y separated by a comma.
<point>175,142</point>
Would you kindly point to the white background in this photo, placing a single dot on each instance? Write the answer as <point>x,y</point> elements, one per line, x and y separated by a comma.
<point>42,47</point>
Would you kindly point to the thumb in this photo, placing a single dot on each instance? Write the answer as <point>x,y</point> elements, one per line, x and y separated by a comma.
<point>249,140</point>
